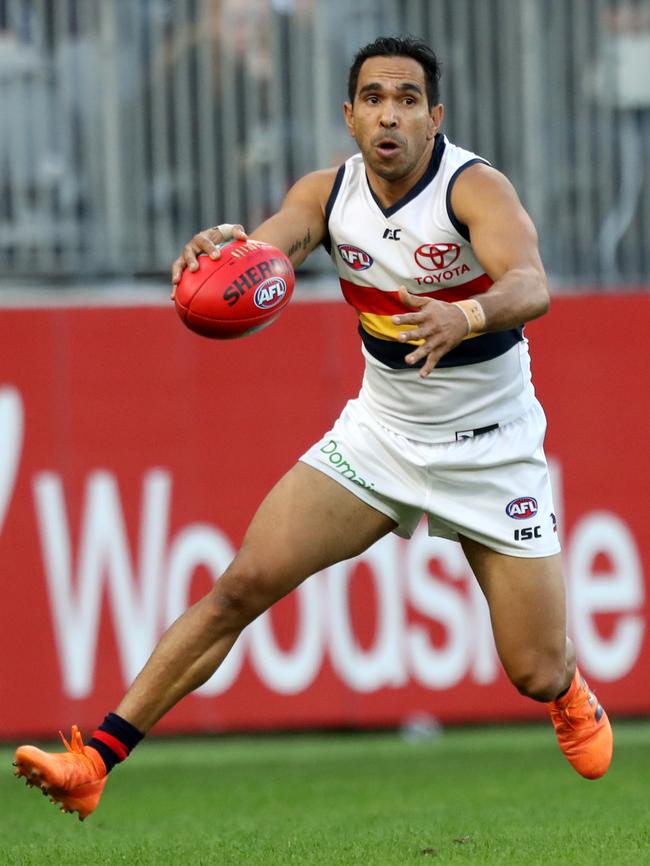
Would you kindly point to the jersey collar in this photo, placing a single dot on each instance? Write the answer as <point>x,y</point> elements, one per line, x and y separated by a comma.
<point>425,180</point>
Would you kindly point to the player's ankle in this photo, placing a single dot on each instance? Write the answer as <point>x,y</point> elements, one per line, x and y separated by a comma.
<point>114,740</point>
<point>568,692</point>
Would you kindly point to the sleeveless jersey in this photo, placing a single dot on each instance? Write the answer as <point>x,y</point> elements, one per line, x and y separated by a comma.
<point>418,242</point>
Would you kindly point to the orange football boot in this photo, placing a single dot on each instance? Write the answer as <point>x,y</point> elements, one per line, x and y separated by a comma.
<point>74,778</point>
<point>583,729</point>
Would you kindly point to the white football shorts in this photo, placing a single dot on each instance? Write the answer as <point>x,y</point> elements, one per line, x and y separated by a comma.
<point>492,487</point>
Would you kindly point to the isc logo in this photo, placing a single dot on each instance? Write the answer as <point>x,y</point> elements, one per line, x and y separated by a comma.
<point>269,293</point>
<point>354,257</point>
<point>527,533</point>
<point>522,508</point>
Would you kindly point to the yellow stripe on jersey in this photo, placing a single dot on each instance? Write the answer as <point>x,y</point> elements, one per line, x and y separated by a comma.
<point>384,328</point>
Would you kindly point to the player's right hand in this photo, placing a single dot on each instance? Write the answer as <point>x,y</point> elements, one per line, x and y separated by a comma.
<point>204,242</point>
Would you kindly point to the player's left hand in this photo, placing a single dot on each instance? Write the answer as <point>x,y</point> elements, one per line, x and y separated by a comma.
<point>442,326</point>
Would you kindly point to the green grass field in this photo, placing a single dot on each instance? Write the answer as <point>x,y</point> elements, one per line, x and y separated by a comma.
<point>474,796</point>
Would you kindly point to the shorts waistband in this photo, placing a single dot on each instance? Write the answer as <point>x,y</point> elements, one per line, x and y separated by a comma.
<point>470,434</point>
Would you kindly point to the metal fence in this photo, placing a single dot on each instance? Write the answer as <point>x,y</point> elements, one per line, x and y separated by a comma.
<point>126,125</point>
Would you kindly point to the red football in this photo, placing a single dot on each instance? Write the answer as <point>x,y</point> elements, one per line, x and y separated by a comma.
<point>240,292</point>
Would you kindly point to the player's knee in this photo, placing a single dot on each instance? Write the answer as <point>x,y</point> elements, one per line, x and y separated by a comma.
<point>238,597</point>
<point>540,679</point>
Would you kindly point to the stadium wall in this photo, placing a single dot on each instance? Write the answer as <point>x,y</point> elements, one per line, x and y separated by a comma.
<point>133,453</point>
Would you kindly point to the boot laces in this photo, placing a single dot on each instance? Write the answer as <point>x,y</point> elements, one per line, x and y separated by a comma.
<point>581,708</point>
<point>76,746</point>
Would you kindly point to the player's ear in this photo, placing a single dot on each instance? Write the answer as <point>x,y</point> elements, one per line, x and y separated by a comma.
<point>348,113</point>
<point>437,115</point>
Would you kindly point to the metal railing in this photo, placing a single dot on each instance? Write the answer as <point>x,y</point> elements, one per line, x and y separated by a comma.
<point>126,125</point>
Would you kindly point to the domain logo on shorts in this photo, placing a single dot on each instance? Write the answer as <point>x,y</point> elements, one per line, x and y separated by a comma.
<point>354,257</point>
<point>522,508</point>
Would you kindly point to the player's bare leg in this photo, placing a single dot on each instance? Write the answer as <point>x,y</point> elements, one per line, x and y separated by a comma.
<point>527,605</point>
<point>307,522</point>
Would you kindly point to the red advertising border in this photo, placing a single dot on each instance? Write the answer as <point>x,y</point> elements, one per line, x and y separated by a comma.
<point>133,453</point>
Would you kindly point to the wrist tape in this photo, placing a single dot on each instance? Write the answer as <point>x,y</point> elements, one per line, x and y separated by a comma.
<point>226,231</point>
<point>474,313</point>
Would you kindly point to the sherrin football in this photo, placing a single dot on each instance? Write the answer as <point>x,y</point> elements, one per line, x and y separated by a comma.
<point>239,293</point>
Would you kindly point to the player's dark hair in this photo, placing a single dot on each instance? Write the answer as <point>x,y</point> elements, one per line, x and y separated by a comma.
<point>400,46</point>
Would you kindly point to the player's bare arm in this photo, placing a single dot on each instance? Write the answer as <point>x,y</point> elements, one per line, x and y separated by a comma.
<point>300,225</point>
<point>296,229</point>
<point>504,240</point>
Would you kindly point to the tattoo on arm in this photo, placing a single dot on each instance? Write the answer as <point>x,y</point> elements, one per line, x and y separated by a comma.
<point>300,244</point>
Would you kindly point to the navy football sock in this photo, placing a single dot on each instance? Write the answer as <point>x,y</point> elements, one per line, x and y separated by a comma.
<point>114,739</point>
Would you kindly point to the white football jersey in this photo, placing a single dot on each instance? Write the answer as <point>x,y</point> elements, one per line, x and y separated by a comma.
<point>418,242</point>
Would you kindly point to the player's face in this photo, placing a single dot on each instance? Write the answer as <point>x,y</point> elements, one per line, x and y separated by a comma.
<point>390,118</point>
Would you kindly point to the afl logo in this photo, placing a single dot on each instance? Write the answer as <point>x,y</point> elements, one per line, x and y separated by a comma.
<point>269,293</point>
<point>522,508</point>
<point>355,258</point>
<point>436,257</point>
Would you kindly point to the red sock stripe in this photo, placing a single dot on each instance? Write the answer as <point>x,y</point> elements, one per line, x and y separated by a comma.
<point>113,744</point>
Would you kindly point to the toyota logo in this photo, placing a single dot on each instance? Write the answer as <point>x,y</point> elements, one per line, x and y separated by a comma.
<point>435,257</point>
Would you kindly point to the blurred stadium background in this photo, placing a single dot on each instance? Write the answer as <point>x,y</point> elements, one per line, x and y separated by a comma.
<point>132,453</point>
<point>127,125</point>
